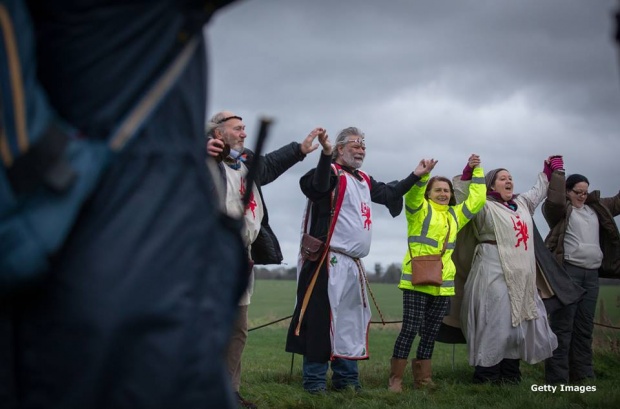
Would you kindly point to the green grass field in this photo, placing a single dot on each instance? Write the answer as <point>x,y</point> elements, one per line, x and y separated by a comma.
<point>275,299</point>
<point>267,379</point>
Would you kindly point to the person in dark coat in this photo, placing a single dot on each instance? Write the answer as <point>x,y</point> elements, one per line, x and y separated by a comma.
<point>226,141</point>
<point>135,310</point>
<point>330,325</point>
<point>584,238</point>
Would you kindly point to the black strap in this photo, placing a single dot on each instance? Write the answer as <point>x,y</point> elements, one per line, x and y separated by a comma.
<point>43,162</point>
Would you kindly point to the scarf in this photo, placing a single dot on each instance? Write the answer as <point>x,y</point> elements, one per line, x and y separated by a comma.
<point>234,159</point>
<point>496,197</point>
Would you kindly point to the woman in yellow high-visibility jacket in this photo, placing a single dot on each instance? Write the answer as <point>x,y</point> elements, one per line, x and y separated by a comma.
<point>432,217</point>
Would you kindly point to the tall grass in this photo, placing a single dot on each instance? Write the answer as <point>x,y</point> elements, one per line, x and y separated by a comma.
<point>268,380</point>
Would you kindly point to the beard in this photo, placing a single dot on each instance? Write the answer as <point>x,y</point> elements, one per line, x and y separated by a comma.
<point>349,159</point>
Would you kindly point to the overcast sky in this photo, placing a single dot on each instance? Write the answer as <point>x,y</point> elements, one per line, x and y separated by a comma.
<point>513,81</point>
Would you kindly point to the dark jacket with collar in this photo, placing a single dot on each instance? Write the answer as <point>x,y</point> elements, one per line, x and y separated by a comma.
<point>558,214</point>
<point>266,249</point>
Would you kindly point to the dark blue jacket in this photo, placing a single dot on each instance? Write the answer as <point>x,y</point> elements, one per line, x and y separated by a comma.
<point>137,307</point>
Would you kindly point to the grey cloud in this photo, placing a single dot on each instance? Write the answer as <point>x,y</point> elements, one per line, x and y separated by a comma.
<point>512,81</point>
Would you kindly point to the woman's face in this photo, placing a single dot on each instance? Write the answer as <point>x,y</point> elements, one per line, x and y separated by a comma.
<point>503,185</point>
<point>578,194</point>
<point>440,192</point>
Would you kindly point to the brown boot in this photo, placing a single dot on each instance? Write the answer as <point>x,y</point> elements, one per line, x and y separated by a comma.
<point>396,374</point>
<point>422,374</point>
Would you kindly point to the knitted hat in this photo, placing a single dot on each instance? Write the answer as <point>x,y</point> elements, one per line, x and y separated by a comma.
<point>575,178</point>
<point>490,177</point>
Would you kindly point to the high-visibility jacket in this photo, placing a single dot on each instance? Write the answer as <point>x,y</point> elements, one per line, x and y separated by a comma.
<point>427,228</point>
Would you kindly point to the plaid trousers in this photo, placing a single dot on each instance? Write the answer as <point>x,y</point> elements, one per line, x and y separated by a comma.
<point>422,314</point>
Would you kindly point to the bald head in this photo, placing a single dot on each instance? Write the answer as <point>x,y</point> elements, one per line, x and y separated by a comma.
<point>228,127</point>
<point>217,120</point>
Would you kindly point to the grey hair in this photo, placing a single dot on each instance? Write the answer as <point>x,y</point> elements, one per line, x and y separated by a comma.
<point>213,124</point>
<point>343,136</point>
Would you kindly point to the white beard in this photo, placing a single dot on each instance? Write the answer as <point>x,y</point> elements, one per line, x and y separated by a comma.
<point>349,160</point>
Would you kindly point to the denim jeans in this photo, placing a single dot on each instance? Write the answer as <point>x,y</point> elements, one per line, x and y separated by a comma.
<point>345,374</point>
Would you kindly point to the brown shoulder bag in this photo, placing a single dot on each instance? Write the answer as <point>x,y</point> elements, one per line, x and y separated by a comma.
<point>428,270</point>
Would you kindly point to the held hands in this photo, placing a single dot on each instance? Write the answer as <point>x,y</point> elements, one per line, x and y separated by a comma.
<point>472,162</point>
<point>556,162</point>
<point>552,163</point>
<point>307,144</point>
<point>425,166</point>
<point>325,142</point>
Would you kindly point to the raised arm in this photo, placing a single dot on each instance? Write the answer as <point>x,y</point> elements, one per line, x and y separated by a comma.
<point>538,192</point>
<point>391,194</point>
<point>477,191</point>
<point>414,198</point>
<point>317,183</point>
<point>279,161</point>
<point>462,182</point>
<point>554,208</point>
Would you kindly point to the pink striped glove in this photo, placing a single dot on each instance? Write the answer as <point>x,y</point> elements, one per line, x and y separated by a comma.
<point>555,163</point>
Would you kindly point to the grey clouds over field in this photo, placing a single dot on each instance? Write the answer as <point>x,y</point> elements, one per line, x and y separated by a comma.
<point>512,81</point>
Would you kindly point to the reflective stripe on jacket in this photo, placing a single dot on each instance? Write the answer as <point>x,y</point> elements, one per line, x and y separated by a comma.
<point>427,227</point>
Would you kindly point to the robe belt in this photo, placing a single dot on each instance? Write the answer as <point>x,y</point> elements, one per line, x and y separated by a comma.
<point>362,277</point>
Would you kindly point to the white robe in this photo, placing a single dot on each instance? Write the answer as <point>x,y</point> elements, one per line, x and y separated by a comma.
<point>252,215</point>
<point>496,325</point>
<point>347,290</point>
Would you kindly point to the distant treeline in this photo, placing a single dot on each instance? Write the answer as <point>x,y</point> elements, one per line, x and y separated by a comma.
<point>380,274</point>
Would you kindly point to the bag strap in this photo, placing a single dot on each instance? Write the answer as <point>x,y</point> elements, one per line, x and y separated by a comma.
<point>445,242</point>
<point>45,162</point>
<point>137,117</point>
<point>336,203</point>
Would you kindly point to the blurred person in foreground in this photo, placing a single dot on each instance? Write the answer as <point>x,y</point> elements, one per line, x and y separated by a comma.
<point>584,238</point>
<point>134,309</point>
<point>332,314</point>
<point>226,141</point>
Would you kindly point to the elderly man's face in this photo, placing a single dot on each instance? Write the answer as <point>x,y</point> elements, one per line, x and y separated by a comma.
<point>233,133</point>
<point>353,152</point>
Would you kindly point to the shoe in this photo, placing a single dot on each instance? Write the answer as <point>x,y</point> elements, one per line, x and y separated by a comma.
<point>317,391</point>
<point>583,380</point>
<point>245,403</point>
<point>351,387</point>
<point>510,380</point>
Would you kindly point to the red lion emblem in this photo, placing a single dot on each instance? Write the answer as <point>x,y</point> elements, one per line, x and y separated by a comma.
<point>252,203</point>
<point>522,233</point>
<point>366,215</point>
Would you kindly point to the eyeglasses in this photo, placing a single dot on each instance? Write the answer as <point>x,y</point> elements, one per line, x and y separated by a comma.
<point>358,141</point>
<point>580,192</point>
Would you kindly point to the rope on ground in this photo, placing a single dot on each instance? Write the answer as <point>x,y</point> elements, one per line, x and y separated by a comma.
<point>270,323</point>
<point>377,322</point>
<point>606,326</point>
<point>387,322</point>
